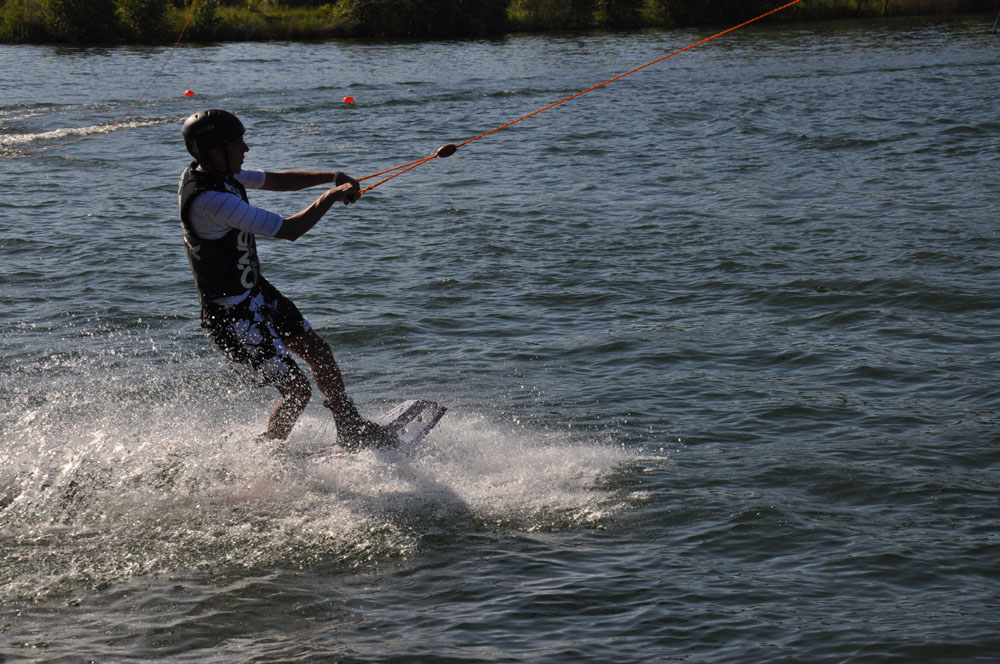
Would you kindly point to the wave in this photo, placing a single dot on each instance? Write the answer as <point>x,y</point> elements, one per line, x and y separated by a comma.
<point>108,479</point>
<point>19,140</point>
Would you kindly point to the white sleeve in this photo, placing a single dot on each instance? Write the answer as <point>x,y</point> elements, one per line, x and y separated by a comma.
<point>251,179</point>
<point>215,213</point>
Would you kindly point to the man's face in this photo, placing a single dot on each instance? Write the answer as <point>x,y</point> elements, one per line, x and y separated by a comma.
<point>235,151</point>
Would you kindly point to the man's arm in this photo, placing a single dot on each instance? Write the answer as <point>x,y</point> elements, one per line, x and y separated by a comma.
<point>298,224</point>
<point>295,180</point>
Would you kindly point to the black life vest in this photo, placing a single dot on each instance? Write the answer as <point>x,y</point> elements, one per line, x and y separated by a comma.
<point>229,265</point>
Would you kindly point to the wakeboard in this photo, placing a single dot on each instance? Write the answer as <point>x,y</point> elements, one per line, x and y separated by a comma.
<point>410,422</point>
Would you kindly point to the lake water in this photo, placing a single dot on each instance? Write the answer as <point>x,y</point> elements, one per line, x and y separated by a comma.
<point>719,341</point>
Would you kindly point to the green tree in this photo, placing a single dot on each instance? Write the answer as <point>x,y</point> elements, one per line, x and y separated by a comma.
<point>410,18</point>
<point>205,22</point>
<point>91,21</point>
<point>657,13</point>
<point>553,14</point>
<point>21,21</point>
<point>718,11</point>
<point>619,13</point>
<point>142,18</point>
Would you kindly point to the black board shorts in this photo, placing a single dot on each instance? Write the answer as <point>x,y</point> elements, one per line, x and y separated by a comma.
<point>251,334</point>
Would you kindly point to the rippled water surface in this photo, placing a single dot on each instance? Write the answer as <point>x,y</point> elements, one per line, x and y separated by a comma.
<point>719,343</point>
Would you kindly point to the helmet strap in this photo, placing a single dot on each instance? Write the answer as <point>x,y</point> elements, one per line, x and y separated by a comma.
<point>211,162</point>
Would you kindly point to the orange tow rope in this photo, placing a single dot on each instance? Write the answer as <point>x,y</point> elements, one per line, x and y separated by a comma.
<point>449,149</point>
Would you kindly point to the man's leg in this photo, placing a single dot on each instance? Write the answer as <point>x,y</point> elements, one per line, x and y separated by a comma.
<point>295,392</point>
<point>319,356</point>
<point>257,354</point>
<point>353,431</point>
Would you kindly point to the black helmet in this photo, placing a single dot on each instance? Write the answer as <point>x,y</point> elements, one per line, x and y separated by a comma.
<point>214,128</point>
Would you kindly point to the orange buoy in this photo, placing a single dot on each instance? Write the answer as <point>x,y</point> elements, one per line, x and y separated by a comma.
<point>348,100</point>
<point>189,93</point>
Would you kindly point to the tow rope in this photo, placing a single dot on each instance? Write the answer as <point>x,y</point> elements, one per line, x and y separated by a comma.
<point>445,150</point>
<point>450,148</point>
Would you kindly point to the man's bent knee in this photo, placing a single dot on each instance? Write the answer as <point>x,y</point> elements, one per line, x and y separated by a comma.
<point>311,347</point>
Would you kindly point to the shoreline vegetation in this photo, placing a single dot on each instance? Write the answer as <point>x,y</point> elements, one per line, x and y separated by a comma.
<point>91,22</point>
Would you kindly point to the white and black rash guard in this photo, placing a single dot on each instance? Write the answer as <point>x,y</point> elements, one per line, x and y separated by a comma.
<point>215,213</point>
